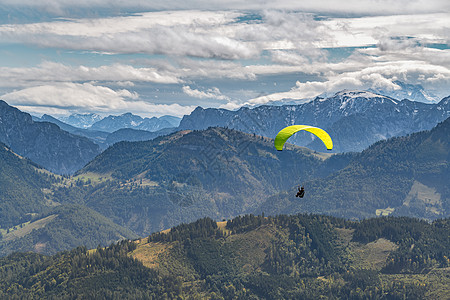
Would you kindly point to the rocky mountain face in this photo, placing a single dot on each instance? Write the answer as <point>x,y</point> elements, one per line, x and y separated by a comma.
<point>354,119</point>
<point>44,143</point>
<point>81,120</point>
<point>128,120</point>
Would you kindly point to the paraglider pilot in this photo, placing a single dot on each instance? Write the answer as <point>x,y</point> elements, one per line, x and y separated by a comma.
<point>301,192</point>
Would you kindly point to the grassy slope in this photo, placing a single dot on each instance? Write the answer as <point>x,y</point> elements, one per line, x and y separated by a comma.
<point>249,253</point>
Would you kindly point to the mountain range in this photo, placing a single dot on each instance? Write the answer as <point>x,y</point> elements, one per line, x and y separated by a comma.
<point>413,92</point>
<point>81,120</point>
<point>113,123</point>
<point>44,143</point>
<point>148,186</point>
<point>143,187</point>
<point>355,119</point>
<point>105,139</point>
<point>128,120</point>
<point>112,129</point>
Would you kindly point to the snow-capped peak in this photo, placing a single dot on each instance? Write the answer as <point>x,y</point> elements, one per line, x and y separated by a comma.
<point>358,94</point>
<point>349,95</point>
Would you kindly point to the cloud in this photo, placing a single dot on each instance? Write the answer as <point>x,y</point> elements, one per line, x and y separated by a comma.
<point>284,30</point>
<point>74,97</point>
<point>205,34</point>
<point>365,31</point>
<point>56,72</point>
<point>288,57</point>
<point>187,33</point>
<point>213,48</point>
<point>379,75</point>
<point>330,6</point>
<point>210,93</point>
<point>224,34</point>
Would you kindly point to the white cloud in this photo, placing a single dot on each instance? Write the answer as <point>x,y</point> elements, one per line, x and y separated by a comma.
<point>210,93</point>
<point>369,7</point>
<point>288,58</point>
<point>181,33</point>
<point>380,75</point>
<point>365,31</point>
<point>282,41</point>
<point>191,33</point>
<point>74,97</point>
<point>56,72</point>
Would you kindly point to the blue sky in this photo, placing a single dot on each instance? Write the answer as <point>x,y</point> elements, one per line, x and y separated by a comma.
<point>151,58</point>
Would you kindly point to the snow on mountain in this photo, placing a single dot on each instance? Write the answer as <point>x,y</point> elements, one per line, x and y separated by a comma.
<point>129,120</point>
<point>354,119</point>
<point>81,120</point>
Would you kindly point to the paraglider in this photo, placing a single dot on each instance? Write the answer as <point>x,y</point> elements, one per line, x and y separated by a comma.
<point>301,192</point>
<point>287,132</point>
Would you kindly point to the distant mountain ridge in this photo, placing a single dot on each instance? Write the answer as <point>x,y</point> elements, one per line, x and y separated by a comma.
<point>135,135</point>
<point>354,119</point>
<point>106,139</point>
<point>81,120</point>
<point>128,120</point>
<point>44,143</point>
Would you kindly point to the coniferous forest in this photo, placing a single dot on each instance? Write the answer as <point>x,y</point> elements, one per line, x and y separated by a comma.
<point>249,257</point>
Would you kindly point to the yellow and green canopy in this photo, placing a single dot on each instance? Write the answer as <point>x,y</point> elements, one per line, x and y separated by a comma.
<point>287,132</point>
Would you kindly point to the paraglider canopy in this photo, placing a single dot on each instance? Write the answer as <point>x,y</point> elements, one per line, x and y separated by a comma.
<point>287,132</point>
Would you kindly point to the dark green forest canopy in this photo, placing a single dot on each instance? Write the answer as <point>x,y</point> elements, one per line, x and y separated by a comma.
<point>21,184</point>
<point>305,257</point>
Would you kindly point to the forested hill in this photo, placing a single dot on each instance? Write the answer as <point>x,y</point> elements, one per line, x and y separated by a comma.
<point>207,157</point>
<point>403,176</point>
<point>30,219</point>
<point>21,184</point>
<point>187,175</point>
<point>249,257</point>
<point>60,228</point>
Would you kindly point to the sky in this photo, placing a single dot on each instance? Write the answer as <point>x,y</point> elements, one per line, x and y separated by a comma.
<point>155,58</point>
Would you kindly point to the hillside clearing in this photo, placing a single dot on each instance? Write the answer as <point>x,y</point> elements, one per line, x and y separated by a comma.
<point>28,227</point>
